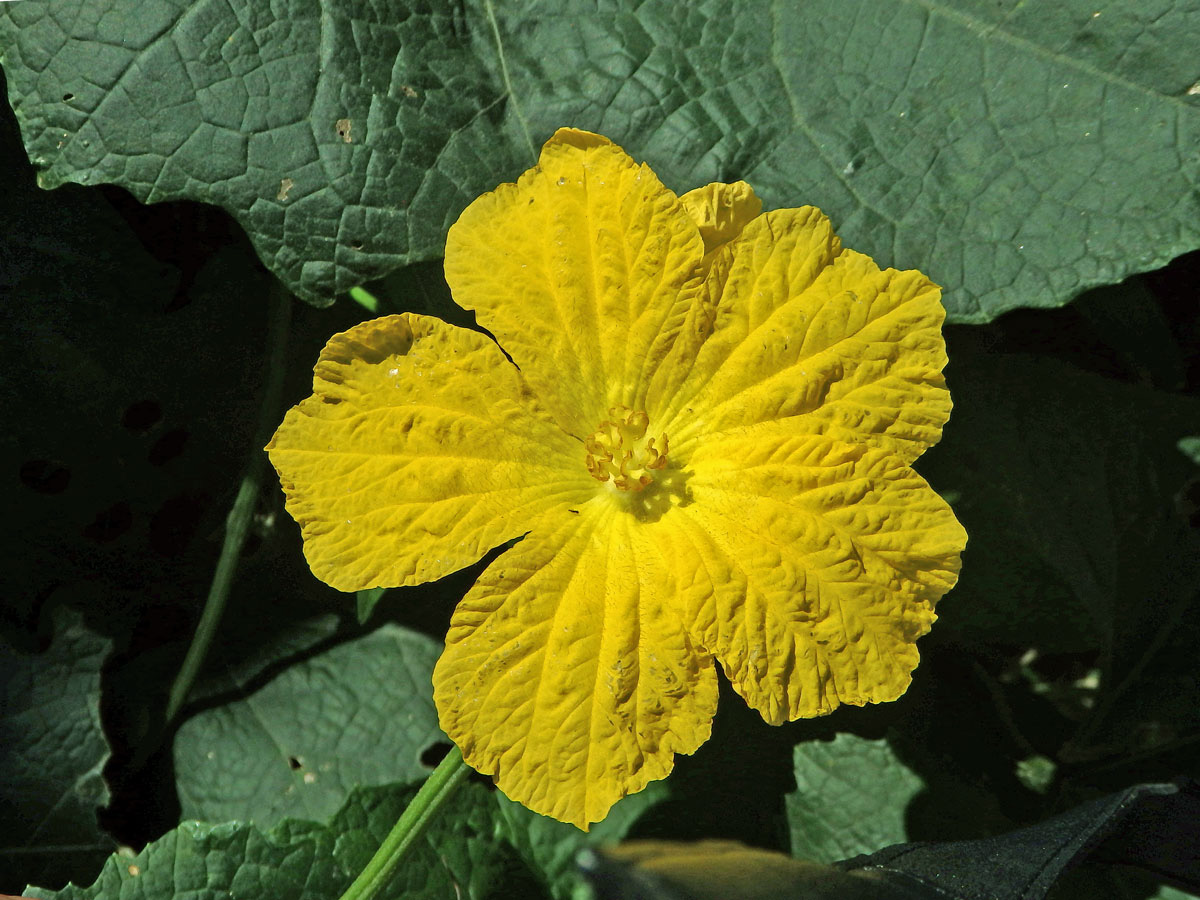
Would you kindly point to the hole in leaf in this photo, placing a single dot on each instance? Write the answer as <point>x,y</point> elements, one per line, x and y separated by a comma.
<point>167,447</point>
<point>435,753</point>
<point>45,476</point>
<point>142,416</point>
<point>174,524</point>
<point>110,523</point>
<point>294,764</point>
<point>68,97</point>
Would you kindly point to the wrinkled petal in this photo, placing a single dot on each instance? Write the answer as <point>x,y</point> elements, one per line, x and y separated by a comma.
<point>420,449</point>
<point>566,673</point>
<point>583,270</point>
<point>809,567</point>
<point>798,336</point>
<point>721,211</point>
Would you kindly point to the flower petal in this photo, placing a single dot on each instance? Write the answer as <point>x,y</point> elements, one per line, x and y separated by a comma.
<point>583,269</point>
<point>420,450</point>
<point>566,673</point>
<point>809,567</point>
<point>796,334</point>
<point>721,211</point>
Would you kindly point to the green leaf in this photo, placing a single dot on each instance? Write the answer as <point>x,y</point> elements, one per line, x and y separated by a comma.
<point>303,860</point>
<point>52,753</point>
<point>1169,893</point>
<point>1017,151</point>
<point>365,602</point>
<point>851,795</point>
<point>359,714</point>
<point>1190,447</point>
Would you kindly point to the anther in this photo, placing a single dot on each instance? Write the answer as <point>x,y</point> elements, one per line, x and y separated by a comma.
<point>618,450</point>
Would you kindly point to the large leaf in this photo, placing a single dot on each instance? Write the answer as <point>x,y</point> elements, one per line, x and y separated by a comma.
<point>52,751</point>
<point>851,796</point>
<point>1017,151</point>
<point>302,860</point>
<point>358,714</point>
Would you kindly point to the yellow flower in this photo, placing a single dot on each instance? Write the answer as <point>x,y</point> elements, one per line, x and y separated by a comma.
<point>704,434</point>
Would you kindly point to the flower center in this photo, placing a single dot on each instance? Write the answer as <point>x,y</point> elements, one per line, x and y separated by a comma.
<point>619,451</point>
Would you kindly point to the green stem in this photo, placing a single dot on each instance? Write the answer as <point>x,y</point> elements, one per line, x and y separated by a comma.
<point>437,789</point>
<point>237,523</point>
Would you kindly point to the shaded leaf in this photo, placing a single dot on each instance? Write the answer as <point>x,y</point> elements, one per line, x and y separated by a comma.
<point>1128,318</point>
<point>360,713</point>
<point>136,380</point>
<point>733,787</point>
<point>1065,482</point>
<point>1147,718</point>
<point>1015,151</point>
<point>137,401</point>
<point>52,753</point>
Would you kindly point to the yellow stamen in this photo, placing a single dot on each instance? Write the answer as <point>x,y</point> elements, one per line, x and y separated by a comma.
<point>616,451</point>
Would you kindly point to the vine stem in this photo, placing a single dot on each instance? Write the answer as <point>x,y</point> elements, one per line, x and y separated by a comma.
<point>437,789</point>
<point>237,523</point>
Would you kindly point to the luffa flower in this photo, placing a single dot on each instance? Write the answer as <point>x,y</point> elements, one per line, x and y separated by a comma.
<point>704,435</point>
